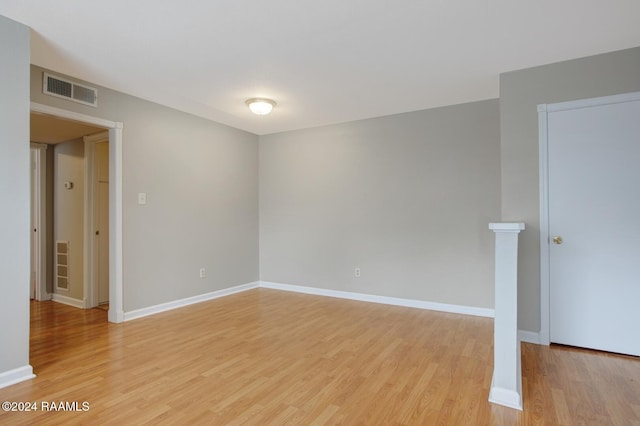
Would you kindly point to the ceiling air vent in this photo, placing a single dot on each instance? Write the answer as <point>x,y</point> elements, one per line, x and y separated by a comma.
<point>61,88</point>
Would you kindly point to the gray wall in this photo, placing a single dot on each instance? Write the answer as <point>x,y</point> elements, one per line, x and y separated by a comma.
<point>201,180</point>
<point>520,93</point>
<point>14,193</point>
<point>68,211</point>
<point>406,198</point>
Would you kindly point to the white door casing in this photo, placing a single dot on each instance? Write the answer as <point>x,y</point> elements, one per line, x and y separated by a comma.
<point>590,198</point>
<point>116,302</point>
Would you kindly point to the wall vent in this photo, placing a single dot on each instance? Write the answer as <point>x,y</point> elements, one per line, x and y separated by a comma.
<point>62,265</point>
<point>62,88</point>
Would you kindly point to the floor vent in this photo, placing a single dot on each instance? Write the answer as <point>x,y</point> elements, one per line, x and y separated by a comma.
<point>62,88</point>
<point>62,265</point>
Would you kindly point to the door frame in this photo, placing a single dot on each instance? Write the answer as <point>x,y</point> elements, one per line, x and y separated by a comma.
<point>90,187</point>
<point>116,308</point>
<point>39,206</point>
<point>545,241</point>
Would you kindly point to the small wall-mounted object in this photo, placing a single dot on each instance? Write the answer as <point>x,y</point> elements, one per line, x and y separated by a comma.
<point>62,265</point>
<point>59,87</point>
<point>68,185</point>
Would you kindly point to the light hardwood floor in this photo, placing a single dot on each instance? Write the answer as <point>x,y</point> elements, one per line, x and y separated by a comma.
<point>270,357</point>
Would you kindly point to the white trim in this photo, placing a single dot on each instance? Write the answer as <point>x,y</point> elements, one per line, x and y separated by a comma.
<point>409,303</point>
<point>38,145</point>
<point>74,116</point>
<point>529,337</point>
<point>506,384</point>
<point>544,222</point>
<point>116,304</point>
<point>116,275</point>
<point>505,397</point>
<point>89,217</point>
<point>163,307</point>
<point>41,225</point>
<point>507,226</point>
<point>543,142</point>
<point>591,102</point>
<point>66,300</point>
<point>98,137</point>
<point>17,375</point>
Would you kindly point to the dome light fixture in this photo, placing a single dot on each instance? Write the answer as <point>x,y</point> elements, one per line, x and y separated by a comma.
<point>260,106</point>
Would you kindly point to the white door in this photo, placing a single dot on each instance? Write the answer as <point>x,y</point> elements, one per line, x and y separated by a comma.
<point>594,227</point>
<point>102,220</point>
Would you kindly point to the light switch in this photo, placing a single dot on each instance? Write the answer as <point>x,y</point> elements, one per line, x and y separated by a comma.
<point>142,198</point>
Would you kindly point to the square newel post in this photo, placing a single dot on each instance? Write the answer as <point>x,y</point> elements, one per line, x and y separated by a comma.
<point>506,386</point>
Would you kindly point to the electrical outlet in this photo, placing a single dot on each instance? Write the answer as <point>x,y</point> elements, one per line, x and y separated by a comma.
<point>357,272</point>
<point>203,273</point>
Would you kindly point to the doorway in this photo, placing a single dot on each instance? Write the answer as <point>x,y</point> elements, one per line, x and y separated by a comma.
<point>590,151</point>
<point>114,278</point>
<point>58,203</point>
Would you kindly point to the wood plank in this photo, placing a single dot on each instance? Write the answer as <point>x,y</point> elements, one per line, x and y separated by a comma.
<point>271,357</point>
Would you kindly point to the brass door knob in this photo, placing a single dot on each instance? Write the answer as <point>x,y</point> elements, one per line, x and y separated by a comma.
<point>557,239</point>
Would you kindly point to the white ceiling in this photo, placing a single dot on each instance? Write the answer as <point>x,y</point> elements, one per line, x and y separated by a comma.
<point>323,62</point>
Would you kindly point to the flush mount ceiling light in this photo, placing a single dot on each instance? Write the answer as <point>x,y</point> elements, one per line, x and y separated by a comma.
<point>261,106</point>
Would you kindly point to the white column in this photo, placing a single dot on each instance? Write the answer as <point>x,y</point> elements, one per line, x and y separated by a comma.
<point>506,386</point>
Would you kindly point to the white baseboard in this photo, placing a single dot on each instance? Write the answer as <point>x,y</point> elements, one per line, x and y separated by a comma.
<point>529,337</point>
<point>139,313</point>
<point>506,397</point>
<point>115,316</point>
<point>76,303</point>
<point>409,303</point>
<point>44,297</point>
<point>16,375</point>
